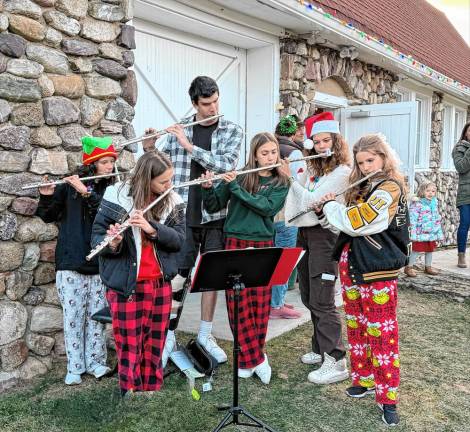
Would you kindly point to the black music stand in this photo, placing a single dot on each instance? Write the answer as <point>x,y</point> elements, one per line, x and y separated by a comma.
<point>236,269</point>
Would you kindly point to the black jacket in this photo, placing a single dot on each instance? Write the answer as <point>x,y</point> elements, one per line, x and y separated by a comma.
<point>119,269</point>
<point>75,215</point>
<point>378,257</point>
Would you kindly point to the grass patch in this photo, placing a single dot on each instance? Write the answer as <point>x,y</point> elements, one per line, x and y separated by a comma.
<point>434,392</point>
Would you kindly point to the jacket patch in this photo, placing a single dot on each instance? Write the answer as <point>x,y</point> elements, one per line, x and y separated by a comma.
<point>367,212</point>
<point>355,218</point>
<point>377,203</point>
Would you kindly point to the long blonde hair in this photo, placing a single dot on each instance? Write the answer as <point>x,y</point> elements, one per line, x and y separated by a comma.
<point>341,156</point>
<point>377,145</point>
<point>250,181</point>
<point>149,166</point>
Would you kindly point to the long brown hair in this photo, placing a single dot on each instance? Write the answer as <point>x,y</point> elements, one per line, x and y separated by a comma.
<point>377,145</point>
<point>250,181</point>
<point>341,156</point>
<point>149,166</point>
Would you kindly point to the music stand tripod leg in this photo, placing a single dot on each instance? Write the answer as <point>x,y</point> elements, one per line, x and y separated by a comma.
<point>235,410</point>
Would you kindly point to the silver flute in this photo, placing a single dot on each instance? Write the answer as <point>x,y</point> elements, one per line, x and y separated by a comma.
<point>58,182</point>
<point>164,131</point>
<point>122,145</point>
<point>108,239</point>
<point>368,176</point>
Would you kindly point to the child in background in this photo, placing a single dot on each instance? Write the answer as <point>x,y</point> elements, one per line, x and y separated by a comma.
<point>425,222</point>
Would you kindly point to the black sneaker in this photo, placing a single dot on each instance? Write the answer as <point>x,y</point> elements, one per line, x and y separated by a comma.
<point>390,414</point>
<point>359,391</point>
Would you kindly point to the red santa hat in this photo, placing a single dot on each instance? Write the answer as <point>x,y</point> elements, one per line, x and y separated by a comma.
<point>323,122</point>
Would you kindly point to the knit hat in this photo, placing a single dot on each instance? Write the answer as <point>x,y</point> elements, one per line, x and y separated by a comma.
<point>95,148</point>
<point>323,122</point>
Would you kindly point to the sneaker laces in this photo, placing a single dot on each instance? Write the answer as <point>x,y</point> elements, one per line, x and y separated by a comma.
<point>211,343</point>
<point>326,367</point>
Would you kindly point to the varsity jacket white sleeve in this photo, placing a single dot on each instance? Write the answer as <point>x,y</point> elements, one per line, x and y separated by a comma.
<point>370,217</point>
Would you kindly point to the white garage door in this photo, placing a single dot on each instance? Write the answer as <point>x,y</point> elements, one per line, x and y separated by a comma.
<point>166,61</point>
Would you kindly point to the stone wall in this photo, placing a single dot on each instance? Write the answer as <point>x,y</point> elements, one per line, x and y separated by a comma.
<point>63,74</point>
<point>305,65</point>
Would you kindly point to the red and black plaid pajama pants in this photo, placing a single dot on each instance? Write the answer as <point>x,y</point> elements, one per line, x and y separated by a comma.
<point>253,312</point>
<point>140,324</point>
<point>371,319</point>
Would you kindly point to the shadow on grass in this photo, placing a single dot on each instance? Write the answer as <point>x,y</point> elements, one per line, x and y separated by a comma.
<point>434,394</point>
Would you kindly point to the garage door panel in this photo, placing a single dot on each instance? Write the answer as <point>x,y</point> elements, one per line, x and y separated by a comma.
<point>165,67</point>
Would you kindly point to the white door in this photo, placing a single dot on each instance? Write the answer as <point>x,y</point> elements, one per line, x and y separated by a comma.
<point>397,121</point>
<point>167,60</point>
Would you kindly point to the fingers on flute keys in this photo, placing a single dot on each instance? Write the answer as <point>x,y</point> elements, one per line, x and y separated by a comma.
<point>229,176</point>
<point>113,231</point>
<point>284,169</point>
<point>207,175</point>
<point>148,144</point>
<point>46,190</point>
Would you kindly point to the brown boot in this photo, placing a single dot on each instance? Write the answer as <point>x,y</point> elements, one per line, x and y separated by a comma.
<point>410,271</point>
<point>462,263</point>
<point>431,271</point>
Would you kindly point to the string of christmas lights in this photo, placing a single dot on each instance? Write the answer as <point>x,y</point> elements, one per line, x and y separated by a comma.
<point>408,59</point>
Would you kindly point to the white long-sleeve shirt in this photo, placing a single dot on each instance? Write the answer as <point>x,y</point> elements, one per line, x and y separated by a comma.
<point>306,191</point>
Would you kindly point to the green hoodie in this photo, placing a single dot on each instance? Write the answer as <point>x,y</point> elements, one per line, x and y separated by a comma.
<point>250,216</point>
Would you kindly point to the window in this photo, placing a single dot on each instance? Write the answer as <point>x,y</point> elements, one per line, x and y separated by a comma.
<point>423,123</point>
<point>453,123</point>
<point>423,130</point>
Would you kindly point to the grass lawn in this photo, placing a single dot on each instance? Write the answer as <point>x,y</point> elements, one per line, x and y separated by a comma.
<point>435,389</point>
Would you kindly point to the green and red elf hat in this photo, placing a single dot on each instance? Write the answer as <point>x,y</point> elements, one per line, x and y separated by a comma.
<point>95,148</point>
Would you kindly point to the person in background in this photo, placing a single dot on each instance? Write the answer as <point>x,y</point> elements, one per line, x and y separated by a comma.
<point>425,222</point>
<point>461,156</point>
<point>286,236</point>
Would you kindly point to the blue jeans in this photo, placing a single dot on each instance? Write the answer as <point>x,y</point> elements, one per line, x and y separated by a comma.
<point>285,237</point>
<point>462,232</point>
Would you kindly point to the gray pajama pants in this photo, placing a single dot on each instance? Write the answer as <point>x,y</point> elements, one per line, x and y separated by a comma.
<point>81,296</point>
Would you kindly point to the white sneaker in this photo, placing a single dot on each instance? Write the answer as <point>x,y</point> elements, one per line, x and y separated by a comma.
<point>331,371</point>
<point>245,373</point>
<point>73,379</point>
<point>311,358</point>
<point>263,370</point>
<point>210,344</point>
<point>100,371</point>
<point>170,345</point>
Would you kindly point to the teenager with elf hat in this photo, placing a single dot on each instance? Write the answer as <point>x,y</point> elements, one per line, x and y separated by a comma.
<point>73,205</point>
<point>317,271</point>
